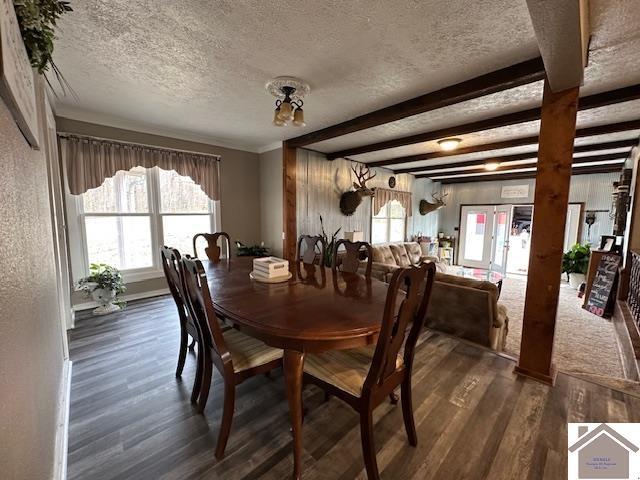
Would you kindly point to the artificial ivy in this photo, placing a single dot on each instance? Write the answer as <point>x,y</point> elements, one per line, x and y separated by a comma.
<point>37,20</point>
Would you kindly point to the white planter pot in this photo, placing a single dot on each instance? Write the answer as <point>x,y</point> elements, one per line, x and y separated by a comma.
<point>105,298</point>
<point>576,279</point>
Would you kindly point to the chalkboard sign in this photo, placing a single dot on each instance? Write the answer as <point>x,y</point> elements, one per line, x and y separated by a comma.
<point>603,284</point>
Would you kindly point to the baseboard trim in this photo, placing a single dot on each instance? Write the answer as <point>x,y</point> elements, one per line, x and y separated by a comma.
<point>127,298</point>
<point>62,423</point>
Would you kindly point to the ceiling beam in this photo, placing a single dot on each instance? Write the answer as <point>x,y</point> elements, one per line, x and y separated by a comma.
<point>516,142</point>
<point>562,32</point>
<point>504,168</point>
<point>523,175</point>
<point>620,95</point>
<point>504,79</point>
<point>523,156</point>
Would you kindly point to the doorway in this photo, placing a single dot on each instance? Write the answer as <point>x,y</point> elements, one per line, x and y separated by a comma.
<point>498,237</point>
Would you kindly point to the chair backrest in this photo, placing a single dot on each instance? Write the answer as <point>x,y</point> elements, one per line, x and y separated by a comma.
<point>212,250</point>
<point>200,305</point>
<point>350,261</point>
<point>414,281</point>
<point>171,264</point>
<point>313,245</point>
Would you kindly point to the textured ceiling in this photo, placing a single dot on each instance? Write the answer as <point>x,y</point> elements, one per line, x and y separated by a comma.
<point>197,68</point>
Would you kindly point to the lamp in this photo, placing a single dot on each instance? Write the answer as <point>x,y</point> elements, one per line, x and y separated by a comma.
<point>491,166</point>
<point>289,92</point>
<point>298,115</point>
<point>276,116</point>
<point>449,144</point>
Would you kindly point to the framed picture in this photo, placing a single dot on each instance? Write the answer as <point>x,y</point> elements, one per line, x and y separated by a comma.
<point>17,86</point>
<point>607,243</point>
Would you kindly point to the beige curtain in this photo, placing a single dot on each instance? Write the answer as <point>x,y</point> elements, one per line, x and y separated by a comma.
<point>383,195</point>
<point>90,161</point>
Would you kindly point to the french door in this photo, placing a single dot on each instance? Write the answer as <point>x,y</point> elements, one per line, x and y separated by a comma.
<point>476,234</point>
<point>501,232</point>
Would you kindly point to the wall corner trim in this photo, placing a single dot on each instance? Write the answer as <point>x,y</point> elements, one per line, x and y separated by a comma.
<point>62,423</point>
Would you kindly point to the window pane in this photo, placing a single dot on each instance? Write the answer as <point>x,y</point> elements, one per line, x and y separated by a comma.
<point>383,211</point>
<point>474,237</point>
<point>379,230</point>
<point>180,194</point>
<point>395,209</point>
<point>122,242</point>
<point>396,233</point>
<point>180,229</point>
<point>126,192</point>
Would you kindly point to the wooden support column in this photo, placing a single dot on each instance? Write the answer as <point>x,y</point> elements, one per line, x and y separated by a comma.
<point>555,153</point>
<point>290,222</point>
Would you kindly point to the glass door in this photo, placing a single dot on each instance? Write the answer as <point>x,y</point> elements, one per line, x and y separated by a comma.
<point>501,233</point>
<point>476,231</point>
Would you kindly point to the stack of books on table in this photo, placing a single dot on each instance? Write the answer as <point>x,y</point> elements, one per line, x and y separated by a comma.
<point>268,268</point>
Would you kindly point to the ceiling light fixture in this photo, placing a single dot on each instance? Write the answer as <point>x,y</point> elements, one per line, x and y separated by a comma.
<point>449,144</point>
<point>491,166</point>
<point>289,92</point>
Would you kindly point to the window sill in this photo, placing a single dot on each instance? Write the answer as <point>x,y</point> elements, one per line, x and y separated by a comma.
<point>139,276</point>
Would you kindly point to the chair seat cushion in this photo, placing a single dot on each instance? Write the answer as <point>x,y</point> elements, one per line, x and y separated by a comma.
<point>345,369</point>
<point>248,352</point>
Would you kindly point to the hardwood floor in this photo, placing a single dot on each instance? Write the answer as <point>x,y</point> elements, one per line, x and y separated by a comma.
<point>131,418</point>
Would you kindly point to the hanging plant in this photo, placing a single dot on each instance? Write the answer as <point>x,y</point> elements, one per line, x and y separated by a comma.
<point>37,20</point>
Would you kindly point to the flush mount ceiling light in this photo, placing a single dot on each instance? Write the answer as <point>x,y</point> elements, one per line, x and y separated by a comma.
<point>289,92</point>
<point>491,166</point>
<point>449,144</point>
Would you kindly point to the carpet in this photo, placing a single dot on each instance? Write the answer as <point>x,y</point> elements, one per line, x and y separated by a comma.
<point>584,343</point>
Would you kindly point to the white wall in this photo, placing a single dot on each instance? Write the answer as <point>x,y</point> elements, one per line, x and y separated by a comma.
<point>592,190</point>
<point>31,336</point>
<point>271,200</point>
<point>320,184</point>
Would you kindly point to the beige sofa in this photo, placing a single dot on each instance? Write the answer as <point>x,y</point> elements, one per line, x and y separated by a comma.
<point>464,307</point>
<point>388,257</point>
<point>469,309</point>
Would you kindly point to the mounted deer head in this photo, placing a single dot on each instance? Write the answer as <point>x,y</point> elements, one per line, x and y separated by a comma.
<point>349,201</point>
<point>428,207</point>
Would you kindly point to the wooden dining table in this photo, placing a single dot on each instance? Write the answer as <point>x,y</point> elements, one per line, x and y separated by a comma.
<point>316,310</point>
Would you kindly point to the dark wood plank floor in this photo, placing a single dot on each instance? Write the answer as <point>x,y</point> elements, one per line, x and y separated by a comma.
<point>131,418</point>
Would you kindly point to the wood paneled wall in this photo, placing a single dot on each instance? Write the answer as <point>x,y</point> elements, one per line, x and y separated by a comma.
<point>319,186</point>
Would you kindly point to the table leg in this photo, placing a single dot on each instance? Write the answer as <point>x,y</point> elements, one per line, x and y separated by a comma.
<point>293,366</point>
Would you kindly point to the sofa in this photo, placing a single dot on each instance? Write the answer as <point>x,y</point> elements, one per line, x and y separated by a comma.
<point>388,257</point>
<point>469,309</point>
<point>463,307</point>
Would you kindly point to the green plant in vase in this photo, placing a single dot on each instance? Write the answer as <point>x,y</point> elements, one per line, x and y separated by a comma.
<point>104,284</point>
<point>328,253</point>
<point>575,263</point>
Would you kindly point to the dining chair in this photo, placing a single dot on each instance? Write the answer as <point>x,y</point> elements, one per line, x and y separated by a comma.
<point>364,377</point>
<point>172,272</point>
<point>212,250</point>
<point>235,355</point>
<point>313,245</point>
<point>350,260</point>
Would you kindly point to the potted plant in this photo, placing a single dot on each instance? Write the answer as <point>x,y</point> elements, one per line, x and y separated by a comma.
<point>251,250</point>
<point>103,284</point>
<point>575,263</point>
<point>329,244</point>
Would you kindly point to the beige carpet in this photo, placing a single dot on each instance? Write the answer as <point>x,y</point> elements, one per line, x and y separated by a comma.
<point>583,343</point>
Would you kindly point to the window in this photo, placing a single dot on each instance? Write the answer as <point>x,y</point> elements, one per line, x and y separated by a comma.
<point>388,225</point>
<point>126,220</point>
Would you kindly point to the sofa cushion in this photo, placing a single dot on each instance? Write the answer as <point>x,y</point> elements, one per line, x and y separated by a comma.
<point>414,252</point>
<point>400,254</point>
<point>382,254</point>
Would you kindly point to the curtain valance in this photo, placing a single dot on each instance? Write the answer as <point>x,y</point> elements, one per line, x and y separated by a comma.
<point>383,195</point>
<point>90,161</point>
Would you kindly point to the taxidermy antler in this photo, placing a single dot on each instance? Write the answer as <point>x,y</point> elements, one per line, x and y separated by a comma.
<point>349,201</point>
<point>428,207</point>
